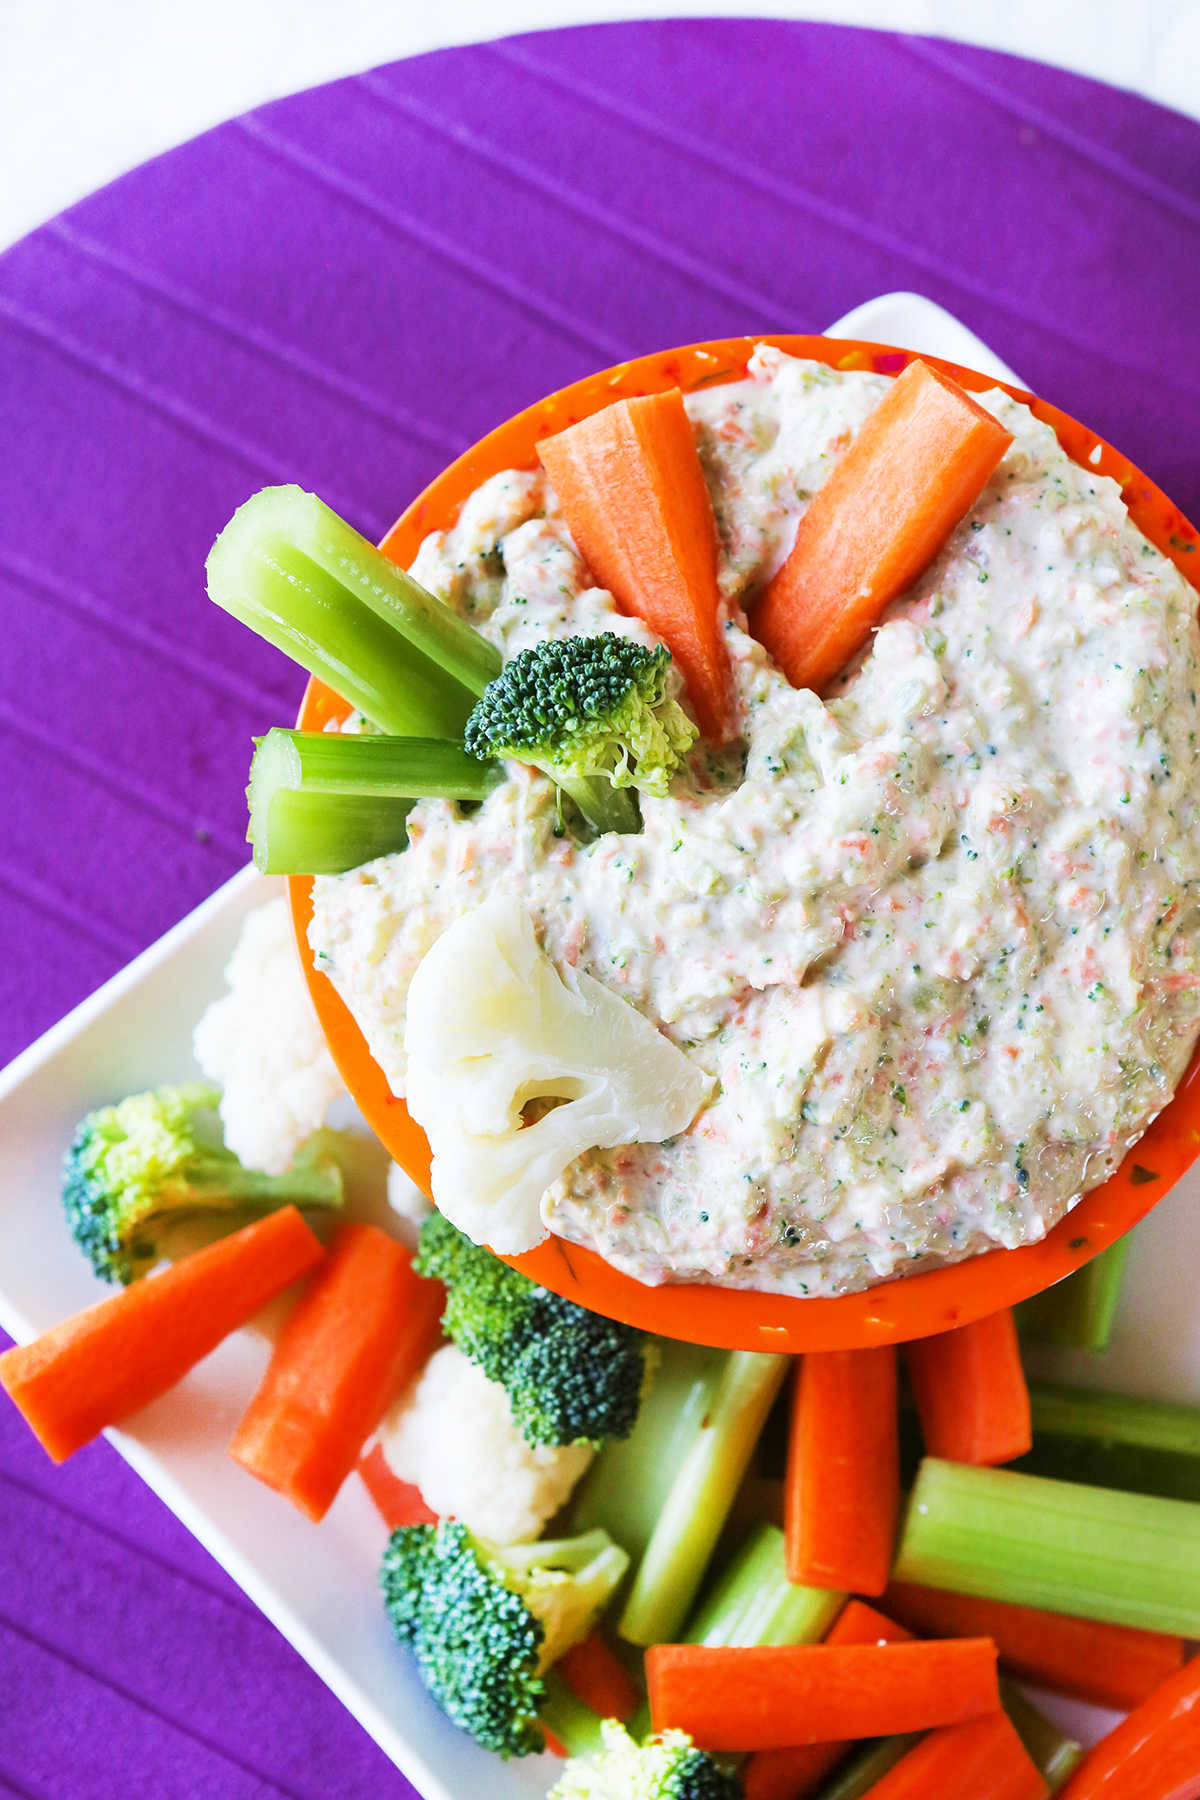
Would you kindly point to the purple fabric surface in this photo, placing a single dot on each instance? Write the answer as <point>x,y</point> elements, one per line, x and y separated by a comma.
<point>345,289</point>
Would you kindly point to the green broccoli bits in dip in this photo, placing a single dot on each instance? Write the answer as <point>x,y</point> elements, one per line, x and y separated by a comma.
<point>930,938</point>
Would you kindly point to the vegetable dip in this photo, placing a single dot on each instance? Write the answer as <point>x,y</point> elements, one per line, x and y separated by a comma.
<point>933,937</point>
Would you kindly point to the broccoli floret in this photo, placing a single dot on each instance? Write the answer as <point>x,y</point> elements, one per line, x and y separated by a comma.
<point>569,1374</point>
<point>485,1624</point>
<point>668,1767</point>
<point>136,1170</point>
<point>593,714</point>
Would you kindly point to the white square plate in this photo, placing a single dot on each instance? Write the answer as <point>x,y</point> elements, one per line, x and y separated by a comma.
<point>318,1583</point>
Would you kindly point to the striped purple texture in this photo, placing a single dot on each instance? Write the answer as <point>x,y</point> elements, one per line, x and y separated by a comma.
<point>345,289</point>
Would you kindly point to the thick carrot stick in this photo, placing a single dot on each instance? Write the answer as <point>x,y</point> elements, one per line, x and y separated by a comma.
<point>359,1334</point>
<point>1109,1665</point>
<point>798,1770</point>
<point>631,486</point>
<point>397,1502</point>
<point>102,1365</point>
<point>843,1475</point>
<point>981,1760</point>
<point>762,1699</point>
<point>971,1393</point>
<point>914,470</point>
<point>594,1673</point>
<point>1154,1754</point>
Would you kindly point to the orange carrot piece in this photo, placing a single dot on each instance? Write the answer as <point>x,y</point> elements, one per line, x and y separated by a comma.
<point>971,1393</point>
<point>915,469</point>
<point>358,1335</point>
<point>761,1698</point>
<point>593,1671</point>
<point>1154,1754</point>
<point>397,1502</point>
<point>631,486</point>
<point>843,1477</point>
<point>982,1760</point>
<point>799,1770</point>
<point>1108,1665</point>
<point>98,1367</point>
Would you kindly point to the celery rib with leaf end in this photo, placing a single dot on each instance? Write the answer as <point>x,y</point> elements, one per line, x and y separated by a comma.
<point>708,1476</point>
<point>593,714</point>
<point>299,576</point>
<point>136,1171</point>
<point>1095,1553</point>
<point>322,803</point>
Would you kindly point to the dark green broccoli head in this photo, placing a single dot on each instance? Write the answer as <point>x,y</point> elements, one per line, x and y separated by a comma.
<point>668,1767</point>
<point>134,1171</point>
<point>593,714</point>
<point>484,1624</point>
<point>569,1374</point>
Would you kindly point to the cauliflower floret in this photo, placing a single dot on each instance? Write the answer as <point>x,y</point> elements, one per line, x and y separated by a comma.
<point>263,1046</point>
<point>492,1025</point>
<point>455,1440</point>
<point>405,1197</point>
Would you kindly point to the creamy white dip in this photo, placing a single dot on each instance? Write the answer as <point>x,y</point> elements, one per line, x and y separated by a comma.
<point>934,937</point>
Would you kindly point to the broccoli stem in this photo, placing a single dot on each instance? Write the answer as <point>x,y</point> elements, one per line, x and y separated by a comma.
<point>321,802</point>
<point>1078,1312</point>
<point>307,582</point>
<point>572,1722</point>
<point>701,1494</point>
<point>627,1486</point>
<point>1054,1753</point>
<point>605,807</point>
<point>755,1603</point>
<point>1114,1441</point>
<point>1130,1559</point>
<point>869,1766</point>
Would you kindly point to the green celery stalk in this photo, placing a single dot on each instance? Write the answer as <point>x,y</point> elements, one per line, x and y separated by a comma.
<point>700,1497</point>
<point>627,1486</point>
<point>311,585</point>
<point>1078,1312</point>
<point>322,802</point>
<point>1114,1441</point>
<point>753,1602</point>
<point>1055,1754</point>
<point>571,1720</point>
<point>871,1764</point>
<point>1130,1559</point>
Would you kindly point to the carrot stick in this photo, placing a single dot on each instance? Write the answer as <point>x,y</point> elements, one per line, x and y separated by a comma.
<point>1154,1754</point>
<point>631,486</point>
<point>359,1334</point>
<point>397,1502</point>
<point>98,1367</point>
<point>594,1673</point>
<point>981,1760</point>
<point>971,1393</point>
<point>1108,1665</point>
<point>843,1475</point>
<point>762,1699</point>
<point>915,469</point>
<point>791,1773</point>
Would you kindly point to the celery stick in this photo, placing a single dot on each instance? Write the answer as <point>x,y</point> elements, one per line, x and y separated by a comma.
<point>1055,1754</point>
<point>1078,1312</point>
<point>1130,1559</point>
<point>1114,1441</point>
<point>627,1486</point>
<point>307,582</point>
<point>573,1722</point>
<point>753,1602</point>
<point>321,802</point>
<point>870,1765</point>
<point>701,1494</point>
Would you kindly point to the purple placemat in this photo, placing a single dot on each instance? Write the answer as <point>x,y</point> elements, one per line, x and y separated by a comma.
<point>345,289</point>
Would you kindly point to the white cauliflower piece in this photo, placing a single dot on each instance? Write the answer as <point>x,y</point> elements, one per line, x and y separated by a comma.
<point>405,1197</point>
<point>492,1025</point>
<point>262,1045</point>
<point>455,1440</point>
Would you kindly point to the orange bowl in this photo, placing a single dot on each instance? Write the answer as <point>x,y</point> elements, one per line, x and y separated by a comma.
<point>907,1307</point>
